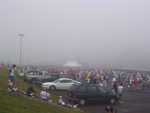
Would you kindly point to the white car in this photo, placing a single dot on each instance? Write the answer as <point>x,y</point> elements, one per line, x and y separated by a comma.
<point>60,84</point>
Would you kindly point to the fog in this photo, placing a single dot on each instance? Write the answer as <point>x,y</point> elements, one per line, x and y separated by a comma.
<point>106,32</point>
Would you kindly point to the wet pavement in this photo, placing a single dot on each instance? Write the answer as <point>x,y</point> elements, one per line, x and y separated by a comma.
<point>132,102</point>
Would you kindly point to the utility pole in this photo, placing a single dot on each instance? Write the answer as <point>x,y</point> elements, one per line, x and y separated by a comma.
<point>20,48</point>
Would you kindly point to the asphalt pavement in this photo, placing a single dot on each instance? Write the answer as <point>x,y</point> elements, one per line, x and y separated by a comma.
<point>133,101</point>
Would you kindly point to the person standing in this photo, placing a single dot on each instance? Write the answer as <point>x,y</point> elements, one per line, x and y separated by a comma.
<point>115,88</point>
<point>120,90</point>
<point>12,73</point>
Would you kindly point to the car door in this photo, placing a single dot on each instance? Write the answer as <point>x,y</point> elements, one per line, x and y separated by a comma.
<point>92,93</point>
<point>64,84</point>
<point>101,94</point>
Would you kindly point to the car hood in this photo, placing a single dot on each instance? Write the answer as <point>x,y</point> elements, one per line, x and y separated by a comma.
<point>76,82</point>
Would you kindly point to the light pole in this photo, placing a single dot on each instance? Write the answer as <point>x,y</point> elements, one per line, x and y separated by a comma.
<point>20,46</point>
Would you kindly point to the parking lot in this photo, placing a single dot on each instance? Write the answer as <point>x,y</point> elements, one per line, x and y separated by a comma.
<point>132,102</point>
<point>135,99</point>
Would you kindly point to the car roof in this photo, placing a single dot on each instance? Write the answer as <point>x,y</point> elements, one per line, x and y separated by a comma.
<point>76,87</point>
<point>64,79</point>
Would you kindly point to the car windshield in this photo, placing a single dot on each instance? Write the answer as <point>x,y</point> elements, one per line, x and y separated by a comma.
<point>63,81</point>
<point>56,81</point>
<point>75,82</point>
<point>66,81</point>
<point>92,89</point>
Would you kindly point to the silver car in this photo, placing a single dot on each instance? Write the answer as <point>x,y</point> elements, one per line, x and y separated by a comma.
<point>60,84</point>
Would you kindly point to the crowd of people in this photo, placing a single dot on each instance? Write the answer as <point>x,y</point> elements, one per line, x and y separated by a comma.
<point>115,80</point>
<point>106,77</point>
<point>134,80</point>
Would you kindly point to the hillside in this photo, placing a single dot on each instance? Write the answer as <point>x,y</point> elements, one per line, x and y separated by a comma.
<point>22,104</point>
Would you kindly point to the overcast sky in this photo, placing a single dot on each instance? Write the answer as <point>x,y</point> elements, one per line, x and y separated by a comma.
<point>115,32</point>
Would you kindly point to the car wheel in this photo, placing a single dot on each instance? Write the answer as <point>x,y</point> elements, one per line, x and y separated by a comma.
<point>52,88</point>
<point>112,101</point>
<point>82,102</point>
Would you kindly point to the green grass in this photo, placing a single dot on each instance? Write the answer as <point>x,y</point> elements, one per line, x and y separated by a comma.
<point>21,104</point>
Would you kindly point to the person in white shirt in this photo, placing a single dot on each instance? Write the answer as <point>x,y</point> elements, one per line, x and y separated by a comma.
<point>61,101</point>
<point>10,86</point>
<point>44,95</point>
<point>101,84</point>
<point>120,89</point>
<point>114,79</point>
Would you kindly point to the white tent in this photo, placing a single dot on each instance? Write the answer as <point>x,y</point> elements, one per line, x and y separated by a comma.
<point>72,64</point>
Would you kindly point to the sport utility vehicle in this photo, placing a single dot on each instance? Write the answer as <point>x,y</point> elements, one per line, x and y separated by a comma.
<point>91,93</point>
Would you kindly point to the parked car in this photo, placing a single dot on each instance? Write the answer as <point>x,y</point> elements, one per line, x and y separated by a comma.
<point>60,84</point>
<point>35,81</point>
<point>85,93</point>
<point>33,74</point>
<point>51,78</point>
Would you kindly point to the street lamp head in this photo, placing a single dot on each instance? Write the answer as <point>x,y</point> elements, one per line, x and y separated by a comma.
<point>21,34</point>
